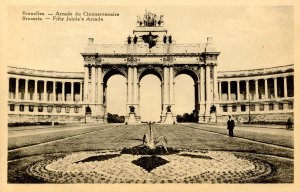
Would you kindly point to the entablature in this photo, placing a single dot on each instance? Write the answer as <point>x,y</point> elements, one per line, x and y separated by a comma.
<point>145,59</point>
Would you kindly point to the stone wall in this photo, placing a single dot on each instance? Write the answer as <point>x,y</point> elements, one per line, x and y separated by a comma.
<point>264,117</point>
<point>20,118</point>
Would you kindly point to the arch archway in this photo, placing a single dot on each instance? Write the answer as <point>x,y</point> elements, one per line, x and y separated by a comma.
<point>186,96</point>
<point>150,104</point>
<point>114,92</point>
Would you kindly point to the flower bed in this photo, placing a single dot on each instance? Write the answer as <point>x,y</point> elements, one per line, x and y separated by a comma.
<point>183,167</point>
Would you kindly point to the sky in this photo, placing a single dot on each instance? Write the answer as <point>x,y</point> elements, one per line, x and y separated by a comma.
<point>247,36</point>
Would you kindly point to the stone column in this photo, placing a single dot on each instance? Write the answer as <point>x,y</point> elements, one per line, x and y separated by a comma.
<point>129,87</point>
<point>238,90</point>
<point>266,89</point>
<point>220,90</point>
<point>198,87</point>
<point>72,91</point>
<point>63,91</point>
<point>275,87</point>
<point>165,92</point>
<point>162,96</point>
<point>171,92</point>
<point>202,92</point>
<point>93,85</point>
<point>208,91</point>
<point>81,87</point>
<point>256,89</point>
<point>17,88</point>
<point>54,90</point>
<point>86,84</point>
<point>201,115</point>
<point>202,85</point>
<point>26,89</point>
<point>45,91</point>
<point>96,84</point>
<point>135,88</point>
<point>100,91</point>
<point>285,86</point>
<point>229,90</point>
<point>139,98</point>
<point>215,85</point>
<point>35,90</point>
<point>247,90</point>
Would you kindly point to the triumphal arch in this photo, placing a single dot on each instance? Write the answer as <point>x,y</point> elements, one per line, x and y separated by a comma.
<point>151,50</point>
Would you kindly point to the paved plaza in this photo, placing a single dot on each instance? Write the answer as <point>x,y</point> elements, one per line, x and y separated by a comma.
<point>62,154</point>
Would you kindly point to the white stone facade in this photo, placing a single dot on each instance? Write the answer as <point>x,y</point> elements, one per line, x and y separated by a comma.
<point>36,95</point>
<point>41,96</point>
<point>67,104</point>
<point>260,94</point>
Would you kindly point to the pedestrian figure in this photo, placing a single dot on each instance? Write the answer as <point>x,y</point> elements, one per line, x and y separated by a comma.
<point>230,126</point>
<point>289,124</point>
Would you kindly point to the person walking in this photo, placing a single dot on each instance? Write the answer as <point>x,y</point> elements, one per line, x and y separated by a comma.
<point>230,126</point>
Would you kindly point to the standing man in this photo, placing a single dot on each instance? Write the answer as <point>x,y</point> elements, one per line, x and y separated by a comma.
<point>230,126</point>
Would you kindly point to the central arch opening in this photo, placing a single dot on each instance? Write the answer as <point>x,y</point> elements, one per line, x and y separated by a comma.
<point>150,98</point>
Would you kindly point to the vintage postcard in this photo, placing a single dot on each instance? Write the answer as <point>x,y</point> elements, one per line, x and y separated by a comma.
<point>149,97</point>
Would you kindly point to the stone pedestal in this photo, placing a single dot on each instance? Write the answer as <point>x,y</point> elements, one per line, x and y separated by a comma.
<point>213,118</point>
<point>201,119</point>
<point>132,119</point>
<point>204,118</point>
<point>168,118</point>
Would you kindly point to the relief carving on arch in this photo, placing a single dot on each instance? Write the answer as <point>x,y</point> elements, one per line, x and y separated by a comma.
<point>192,68</point>
<point>89,59</point>
<point>158,69</point>
<point>211,57</point>
<point>168,59</point>
<point>99,60</point>
<point>121,69</point>
<point>211,72</point>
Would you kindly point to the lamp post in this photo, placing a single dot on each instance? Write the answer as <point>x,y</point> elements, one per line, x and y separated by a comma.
<point>249,118</point>
<point>84,114</point>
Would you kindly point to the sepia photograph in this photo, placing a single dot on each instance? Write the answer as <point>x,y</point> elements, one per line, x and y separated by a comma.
<point>160,95</point>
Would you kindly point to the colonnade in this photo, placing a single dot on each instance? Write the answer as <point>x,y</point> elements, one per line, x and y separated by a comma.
<point>45,90</point>
<point>269,89</point>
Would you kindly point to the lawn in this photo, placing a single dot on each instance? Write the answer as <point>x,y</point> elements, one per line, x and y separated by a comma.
<point>23,141</point>
<point>118,137</point>
<point>281,140</point>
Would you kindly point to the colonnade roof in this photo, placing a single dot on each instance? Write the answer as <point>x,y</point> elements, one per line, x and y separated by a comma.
<point>80,75</point>
<point>44,73</point>
<point>256,72</point>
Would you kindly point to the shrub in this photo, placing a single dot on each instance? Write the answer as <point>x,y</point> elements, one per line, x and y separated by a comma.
<point>192,117</point>
<point>19,124</point>
<point>115,118</point>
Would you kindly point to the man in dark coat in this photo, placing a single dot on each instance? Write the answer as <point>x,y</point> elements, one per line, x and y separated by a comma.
<point>230,126</point>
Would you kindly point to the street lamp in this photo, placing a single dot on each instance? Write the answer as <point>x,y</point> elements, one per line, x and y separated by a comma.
<point>249,118</point>
<point>85,114</point>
